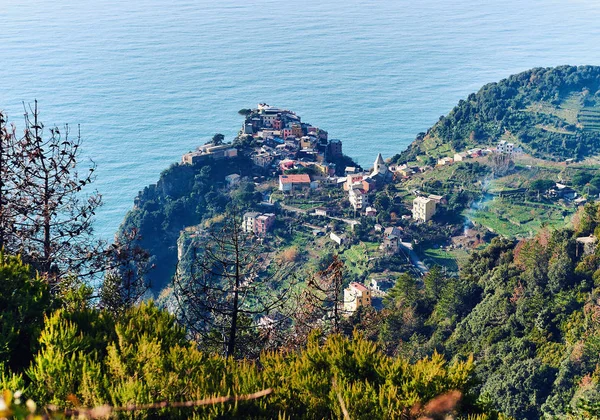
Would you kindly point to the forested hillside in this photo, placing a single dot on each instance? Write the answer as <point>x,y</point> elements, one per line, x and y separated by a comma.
<point>253,324</point>
<point>527,311</point>
<point>552,113</point>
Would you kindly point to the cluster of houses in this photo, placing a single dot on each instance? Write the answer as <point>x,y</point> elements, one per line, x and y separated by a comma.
<point>406,171</point>
<point>280,141</point>
<point>503,147</point>
<point>359,185</point>
<point>280,137</point>
<point>459,157</point>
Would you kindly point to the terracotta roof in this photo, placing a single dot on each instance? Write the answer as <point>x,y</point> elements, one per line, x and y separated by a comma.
<point>358,286</point>
<point>296,179</point>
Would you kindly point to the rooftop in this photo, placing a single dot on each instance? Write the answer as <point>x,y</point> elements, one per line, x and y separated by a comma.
<point>422,200</point>
<point>358,286</point>
<point>587,239</point>
<point>295,179</point>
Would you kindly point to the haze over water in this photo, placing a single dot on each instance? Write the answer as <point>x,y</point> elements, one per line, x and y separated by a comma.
<point>149,80</point>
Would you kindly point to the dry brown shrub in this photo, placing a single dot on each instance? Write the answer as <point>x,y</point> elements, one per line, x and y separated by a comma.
<point>289,255</point>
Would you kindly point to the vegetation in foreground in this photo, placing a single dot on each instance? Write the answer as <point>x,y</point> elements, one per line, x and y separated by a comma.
<point>89,357</point>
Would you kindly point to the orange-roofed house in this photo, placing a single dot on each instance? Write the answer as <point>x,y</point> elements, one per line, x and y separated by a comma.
<point>355,296</point>
<point>294,182</point>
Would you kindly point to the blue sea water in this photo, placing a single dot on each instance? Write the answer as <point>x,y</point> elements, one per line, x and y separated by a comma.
<point>149,80</point>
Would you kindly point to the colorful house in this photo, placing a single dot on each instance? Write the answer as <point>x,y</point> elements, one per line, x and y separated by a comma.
<point>356,295</point>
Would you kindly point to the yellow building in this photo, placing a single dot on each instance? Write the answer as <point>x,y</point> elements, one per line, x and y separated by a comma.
<point>423,208</point>
<point>355,296</point>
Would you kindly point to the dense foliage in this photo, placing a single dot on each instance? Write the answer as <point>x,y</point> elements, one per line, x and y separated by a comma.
<point>520,324</point>
<point>185,195</point>
<point>24,300</point>
<point>90,357</point>
<point>532,107</point>
<point>528,312</point>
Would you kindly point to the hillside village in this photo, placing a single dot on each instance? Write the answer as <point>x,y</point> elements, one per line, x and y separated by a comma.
<point>305,190</point>
<point>479,240</point>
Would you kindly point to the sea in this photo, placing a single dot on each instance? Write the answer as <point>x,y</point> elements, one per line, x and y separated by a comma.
<point>148,80</point>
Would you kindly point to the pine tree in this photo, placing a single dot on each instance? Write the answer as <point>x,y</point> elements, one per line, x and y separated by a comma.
<point>54,222</point>
<point>8,191</point>
<point>229,279</point>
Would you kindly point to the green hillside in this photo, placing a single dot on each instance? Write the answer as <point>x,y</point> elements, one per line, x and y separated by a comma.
<point>552,113</point>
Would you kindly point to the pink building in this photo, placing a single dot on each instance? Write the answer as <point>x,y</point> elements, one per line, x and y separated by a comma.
<point>264,223</point>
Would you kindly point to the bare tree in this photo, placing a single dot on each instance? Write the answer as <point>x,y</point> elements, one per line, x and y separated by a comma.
<point>501,164</point>
<point>321,303</point>
<point>45,216</point>
<point>8,191</point>
<point>54,222</point>
<point>229,283</point>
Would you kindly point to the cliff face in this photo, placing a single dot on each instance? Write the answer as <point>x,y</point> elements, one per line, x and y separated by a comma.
<point>185,195</point>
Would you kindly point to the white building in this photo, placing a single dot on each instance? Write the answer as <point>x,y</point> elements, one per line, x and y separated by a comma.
<point>445,161</point>
<point>232,180</point>
<point>358,198</point>
<point>249,221</point>
<point>505,147</point>
<point>338,239</point>
<point>295,182</point>
<point>379,167</point>
<point>459,157</point>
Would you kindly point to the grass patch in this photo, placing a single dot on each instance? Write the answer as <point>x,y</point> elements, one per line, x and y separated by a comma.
<point>552,129</point>
<point>436,147</point>
<point>568,110</point>
<point>452,259</point>
<point>519,219</point>
<point>357,257</point>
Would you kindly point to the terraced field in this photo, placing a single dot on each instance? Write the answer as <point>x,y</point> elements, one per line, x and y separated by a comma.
<point>571,111</point>
<point>589,118</point>
<point>519,219</point>
<point>568,110</point>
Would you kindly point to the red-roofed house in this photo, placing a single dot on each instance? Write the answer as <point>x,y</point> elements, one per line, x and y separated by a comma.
<point>293,182</point>
<point>355,296</point>
<point>352,180</point>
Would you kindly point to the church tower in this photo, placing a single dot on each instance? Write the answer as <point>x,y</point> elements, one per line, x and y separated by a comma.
<point>379,167</point>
